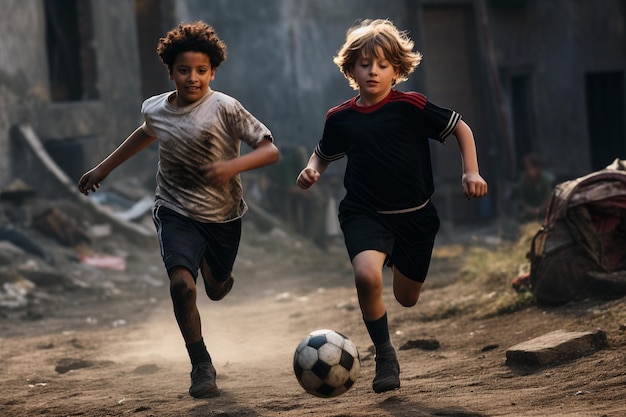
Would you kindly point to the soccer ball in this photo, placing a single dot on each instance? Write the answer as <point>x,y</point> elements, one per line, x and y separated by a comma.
<point>326,363</point>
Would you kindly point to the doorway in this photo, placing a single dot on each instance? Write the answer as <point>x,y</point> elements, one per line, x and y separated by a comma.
<point>606,115</point>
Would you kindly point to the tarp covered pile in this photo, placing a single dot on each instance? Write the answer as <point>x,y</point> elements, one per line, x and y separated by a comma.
<point>580,251</point>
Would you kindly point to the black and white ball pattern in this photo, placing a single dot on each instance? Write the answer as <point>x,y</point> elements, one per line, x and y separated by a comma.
<point>326,363</point>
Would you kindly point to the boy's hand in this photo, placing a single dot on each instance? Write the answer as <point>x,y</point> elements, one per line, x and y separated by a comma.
<point>217,173</point>
<point>90,181</point>
<point>308,177</point>
<point>474,185</point>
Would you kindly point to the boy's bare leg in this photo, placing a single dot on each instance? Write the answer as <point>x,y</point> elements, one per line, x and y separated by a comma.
<point>368,276</point>
<point>215,290</point>
<point>184,293</point>
<point>406,291</point>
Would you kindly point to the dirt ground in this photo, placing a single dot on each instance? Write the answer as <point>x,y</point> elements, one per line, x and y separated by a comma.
<point>119,352</point>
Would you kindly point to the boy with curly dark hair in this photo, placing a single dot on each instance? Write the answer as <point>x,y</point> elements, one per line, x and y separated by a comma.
<point>199,198</point>
<point>387,216</point>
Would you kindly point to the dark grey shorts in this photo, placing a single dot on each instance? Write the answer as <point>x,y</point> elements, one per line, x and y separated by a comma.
<point>407,239</point>
<point>186,242</point>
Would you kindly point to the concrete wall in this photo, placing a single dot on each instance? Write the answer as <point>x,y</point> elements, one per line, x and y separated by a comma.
<point>280,56</point>
<point>558,42</point>
<point>22,83</point>
<point>95,125</point>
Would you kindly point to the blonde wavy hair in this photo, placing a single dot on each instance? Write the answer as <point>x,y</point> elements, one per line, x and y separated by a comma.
<point>364,39</point>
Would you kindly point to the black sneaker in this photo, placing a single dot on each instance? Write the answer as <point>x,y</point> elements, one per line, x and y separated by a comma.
<point>387,374</point>
<point>203,381</point>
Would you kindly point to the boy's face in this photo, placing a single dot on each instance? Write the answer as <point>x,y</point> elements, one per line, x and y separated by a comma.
<point>192,74</point>
<point>374,75</point>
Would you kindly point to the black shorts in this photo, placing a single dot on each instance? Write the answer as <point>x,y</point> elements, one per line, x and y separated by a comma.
<point>186,242</point>
<point>407,239</point>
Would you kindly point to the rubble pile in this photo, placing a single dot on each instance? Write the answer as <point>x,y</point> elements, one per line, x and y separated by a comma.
<point>55,254</point>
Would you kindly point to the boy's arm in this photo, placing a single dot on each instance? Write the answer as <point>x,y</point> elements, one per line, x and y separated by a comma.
<point>219,172</point>
<point>138,140</point>
<point>312,172</point>
<point>473,184</point>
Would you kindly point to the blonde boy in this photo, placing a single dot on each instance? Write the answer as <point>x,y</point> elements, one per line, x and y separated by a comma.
<point>387,216</point>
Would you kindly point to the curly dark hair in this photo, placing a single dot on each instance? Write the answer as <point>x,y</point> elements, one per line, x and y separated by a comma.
<point>195,36</point>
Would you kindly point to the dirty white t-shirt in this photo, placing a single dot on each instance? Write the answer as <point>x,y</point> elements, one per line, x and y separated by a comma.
<point>210,129</point>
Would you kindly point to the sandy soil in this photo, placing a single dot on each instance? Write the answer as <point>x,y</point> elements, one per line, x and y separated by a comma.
<point>127,357</point>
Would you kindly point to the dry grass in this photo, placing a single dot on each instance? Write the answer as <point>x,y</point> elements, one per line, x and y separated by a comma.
<point>487,273</point>
<point>494,267</point>
<point>492,270</point>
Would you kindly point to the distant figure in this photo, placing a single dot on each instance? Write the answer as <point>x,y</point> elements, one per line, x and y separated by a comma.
<point>304,211</point>
<point>387,216</point>
<point>198,204</point>
<point>534,189</point>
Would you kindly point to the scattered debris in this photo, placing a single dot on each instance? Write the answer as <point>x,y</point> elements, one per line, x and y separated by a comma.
<point>490,347</point>
<point>521,282</point>
<point>65,247</point>
<point>425,344</point>
<point>53,223</point>
<point>117,263</point>
<point>20,239</point>
<point>282,297</point>
<point>347,305</point>
<point>15,294</point>
<point>69,364</point>
<point>145,408</point>
<point>146,369</point>
<point>137,210</point>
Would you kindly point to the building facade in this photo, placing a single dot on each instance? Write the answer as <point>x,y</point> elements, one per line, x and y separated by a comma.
<point>542,76</point>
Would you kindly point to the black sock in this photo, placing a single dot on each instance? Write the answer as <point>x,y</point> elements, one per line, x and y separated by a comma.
<point>198,352</point>
<point>386,350</point>
<point>379,333</point>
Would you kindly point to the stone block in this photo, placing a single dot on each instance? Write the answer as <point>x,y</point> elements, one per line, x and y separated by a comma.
<point>557,346</point>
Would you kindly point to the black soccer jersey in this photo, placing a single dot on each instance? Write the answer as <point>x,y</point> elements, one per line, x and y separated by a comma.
<point>389,166</point>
